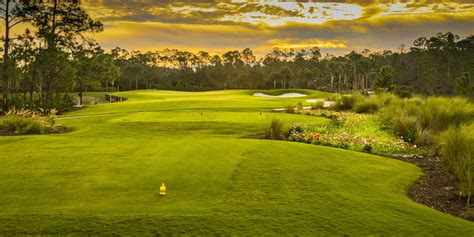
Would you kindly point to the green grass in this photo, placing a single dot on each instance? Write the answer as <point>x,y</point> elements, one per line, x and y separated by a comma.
<point>104,177</point>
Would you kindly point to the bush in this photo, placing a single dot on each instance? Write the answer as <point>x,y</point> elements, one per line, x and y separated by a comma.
<point>406,127</point>
<point>403,93</point>
<point>27,122</point>
<point>421,119</point>
<point>299,106</point>
<point>366,107</point>
<point>425,138</point>
<point>367,148</point>
<point>295,129</point>
<point>290,109</point>
<point>438,114</point>
<point>276,130</point>
<point>457,150</point>
<point>346,102</point>
<point>20,125</point>
<point>318,105</point>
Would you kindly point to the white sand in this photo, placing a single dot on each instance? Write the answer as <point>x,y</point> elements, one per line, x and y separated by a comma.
<point>314,100</point>
<point>286,95</point>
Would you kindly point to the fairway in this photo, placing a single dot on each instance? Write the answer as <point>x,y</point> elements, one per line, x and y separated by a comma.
<point>104,176</point>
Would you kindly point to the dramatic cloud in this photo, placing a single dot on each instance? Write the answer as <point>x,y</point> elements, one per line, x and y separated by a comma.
<point>336,26</point>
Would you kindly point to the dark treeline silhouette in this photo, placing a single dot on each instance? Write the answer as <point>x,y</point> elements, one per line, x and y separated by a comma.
<point>42,68</point>
<point>439,65</point>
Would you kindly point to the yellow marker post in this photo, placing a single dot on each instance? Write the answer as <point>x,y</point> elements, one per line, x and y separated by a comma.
<point>162,190</point>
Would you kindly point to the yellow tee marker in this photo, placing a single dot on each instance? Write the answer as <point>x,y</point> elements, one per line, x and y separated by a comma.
<point>163,189</point>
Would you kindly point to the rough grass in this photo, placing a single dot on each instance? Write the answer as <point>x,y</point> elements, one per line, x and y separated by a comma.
<point>366,107</point>
<point>457,148</point>
<point>345,102</point>
<point>103,178</point>
<point>406,127</point>
<point>276,130</point>
<point>19,122</point>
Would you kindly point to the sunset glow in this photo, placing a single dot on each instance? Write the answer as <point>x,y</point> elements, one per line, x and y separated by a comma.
<point>218,26</point>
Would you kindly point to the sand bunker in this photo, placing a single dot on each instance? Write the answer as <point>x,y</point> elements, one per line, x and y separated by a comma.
<point>286,95</point>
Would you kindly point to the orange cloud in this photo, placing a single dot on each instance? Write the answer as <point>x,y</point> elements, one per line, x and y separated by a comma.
<point>333,25</point>
<point>309,43</point>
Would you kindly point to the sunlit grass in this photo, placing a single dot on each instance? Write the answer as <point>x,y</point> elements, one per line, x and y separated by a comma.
<point>104,177</point>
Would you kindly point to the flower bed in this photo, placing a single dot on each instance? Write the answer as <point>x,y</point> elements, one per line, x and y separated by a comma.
<point>350,131</point>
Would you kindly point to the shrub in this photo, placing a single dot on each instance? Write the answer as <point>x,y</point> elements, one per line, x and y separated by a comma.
<point>276,130</point>
<point>438,114</point>
<point>290,109</point>
<point>406,127</point>
<point>457,150</point>
<point>366,107</point>
<point>367,148</point>
<point>423,118</point>
<point>299,106</point>
<point>318,105</point>
<point>403,93</point>
<point>425,138</point>
<point>295,129</point>
<point>346,102</point>
<point>27,122</point>
<point>20,125</point>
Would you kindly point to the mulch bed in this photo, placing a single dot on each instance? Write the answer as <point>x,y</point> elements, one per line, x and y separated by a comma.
<point>436,189</point>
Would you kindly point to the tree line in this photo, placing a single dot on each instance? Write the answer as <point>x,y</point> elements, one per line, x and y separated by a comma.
<point>439,65</point>
<point>53,59</point>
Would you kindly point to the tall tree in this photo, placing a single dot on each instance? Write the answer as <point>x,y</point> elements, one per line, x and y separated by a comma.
<point>464,85</point>
<point>286,73</point>
<point>60,25</point>
<point>13,13</point>
<point>94,68</point>
<point>384,79</point>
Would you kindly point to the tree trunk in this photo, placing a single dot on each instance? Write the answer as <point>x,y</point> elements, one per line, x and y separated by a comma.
<point>52,48</point>
<point>339,84</point>
<point>80,93</point>
<point>32,89</point>
<point>332,83</point>
<point>362,77</point>
<point>356,79</point>
<point>345,82</point>
<point>6,56</point>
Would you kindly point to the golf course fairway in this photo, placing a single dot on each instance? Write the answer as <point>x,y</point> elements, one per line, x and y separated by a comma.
<point>103,178</point>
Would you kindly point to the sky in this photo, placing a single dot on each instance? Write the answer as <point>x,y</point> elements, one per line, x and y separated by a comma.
<point>335,26</point>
